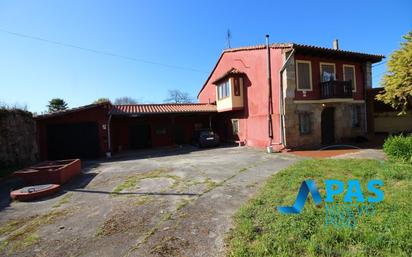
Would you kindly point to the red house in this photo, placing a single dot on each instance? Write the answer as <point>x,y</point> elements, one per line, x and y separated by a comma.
<point>277,96</point>
<point>290,95</point>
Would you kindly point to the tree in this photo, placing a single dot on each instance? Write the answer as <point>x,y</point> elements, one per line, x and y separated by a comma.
<point>398,79</point>
<point>102,100</point>
<point>125,100</point>
<point>179,97</point>
<point>56,104</point>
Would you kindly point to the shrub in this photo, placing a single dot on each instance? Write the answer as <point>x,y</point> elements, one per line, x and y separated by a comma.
<point>399,147</point>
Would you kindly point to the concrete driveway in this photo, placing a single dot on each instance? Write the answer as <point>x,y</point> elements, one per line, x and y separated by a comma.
<point>157,203</point>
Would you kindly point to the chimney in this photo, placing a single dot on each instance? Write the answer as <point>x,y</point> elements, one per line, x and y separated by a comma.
<point>336,44</point>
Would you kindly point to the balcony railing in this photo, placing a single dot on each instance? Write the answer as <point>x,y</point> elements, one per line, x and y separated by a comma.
<point>336,89</point>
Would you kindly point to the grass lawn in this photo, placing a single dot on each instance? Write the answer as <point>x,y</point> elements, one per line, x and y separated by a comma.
<point>260,230</point>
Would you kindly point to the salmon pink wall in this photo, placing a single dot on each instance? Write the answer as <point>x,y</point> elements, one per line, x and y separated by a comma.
<point>253,119</point>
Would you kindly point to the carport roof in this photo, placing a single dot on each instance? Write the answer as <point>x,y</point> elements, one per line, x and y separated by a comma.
<point>139,109</point>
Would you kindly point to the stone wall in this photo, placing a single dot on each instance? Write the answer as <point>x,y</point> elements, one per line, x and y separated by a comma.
<point>18,145</point>
<point>342,122</point>
<point>342,115</point>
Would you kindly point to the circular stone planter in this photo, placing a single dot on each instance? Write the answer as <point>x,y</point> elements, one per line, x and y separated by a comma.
<point>34,192</point>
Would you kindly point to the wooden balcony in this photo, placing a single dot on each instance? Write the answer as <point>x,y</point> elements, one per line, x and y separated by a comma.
<point>336,89</point>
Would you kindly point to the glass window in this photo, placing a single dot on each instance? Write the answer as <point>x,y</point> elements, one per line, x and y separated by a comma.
<point>227,88</point>
<point>349,75</point>
<point>224,89</point>
<point>305,123</point>
<point>327,72</point>
<point>304,77</point>
<point>356,116</point>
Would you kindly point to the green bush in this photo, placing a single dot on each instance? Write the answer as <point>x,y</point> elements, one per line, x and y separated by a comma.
<point>399,147</point>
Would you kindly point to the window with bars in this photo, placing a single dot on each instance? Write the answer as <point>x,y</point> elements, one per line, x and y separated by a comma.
<point>305,123</point>
<point>235,127</point>
<point>356,116</point>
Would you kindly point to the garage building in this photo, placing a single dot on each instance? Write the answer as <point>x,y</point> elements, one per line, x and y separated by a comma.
<point>93,130</point>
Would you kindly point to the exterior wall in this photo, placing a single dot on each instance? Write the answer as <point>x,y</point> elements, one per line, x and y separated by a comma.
<point>343,110</point>
<point>391,122</point>
<point>97,114</point>
<point>315,64</point>
<point>253,119</point>
<point>342,120</point>
<point>18,144</point>
<point>383,118</point>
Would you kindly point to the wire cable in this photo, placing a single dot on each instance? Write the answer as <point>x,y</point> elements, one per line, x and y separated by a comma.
<point>99,51</point>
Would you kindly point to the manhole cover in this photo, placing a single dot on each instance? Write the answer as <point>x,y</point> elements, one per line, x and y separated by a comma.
<point>32,189</point>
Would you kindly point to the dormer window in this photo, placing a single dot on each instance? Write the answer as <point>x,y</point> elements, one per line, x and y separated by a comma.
<point>229,91</point>
<point>223,89</point>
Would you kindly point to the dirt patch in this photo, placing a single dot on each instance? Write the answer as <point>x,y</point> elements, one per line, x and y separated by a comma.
<point>318,154</point>
<point>132,181</point>
<point>20,234</point>
<point>170,247</point>
<point>119,221</point>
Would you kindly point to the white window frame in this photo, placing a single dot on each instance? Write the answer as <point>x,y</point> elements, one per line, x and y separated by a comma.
<point>326,63</point>
<point>310,75</point>
<point>222,87</point>
<point>354,75</point>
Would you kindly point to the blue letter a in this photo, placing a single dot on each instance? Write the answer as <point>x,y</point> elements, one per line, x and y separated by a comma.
<point>308,186</point>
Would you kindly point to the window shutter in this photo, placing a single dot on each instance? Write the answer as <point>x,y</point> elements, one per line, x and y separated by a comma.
<point>304,76</point>
<point>349,75</point>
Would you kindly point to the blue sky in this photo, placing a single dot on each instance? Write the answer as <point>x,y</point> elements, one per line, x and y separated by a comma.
<point>188,34</point>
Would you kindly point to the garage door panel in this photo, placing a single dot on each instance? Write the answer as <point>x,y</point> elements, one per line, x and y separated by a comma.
<point>74,140</point>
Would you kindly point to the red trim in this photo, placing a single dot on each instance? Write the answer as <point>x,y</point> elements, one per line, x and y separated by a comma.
<point>54,172</point>
<point>17,195</point>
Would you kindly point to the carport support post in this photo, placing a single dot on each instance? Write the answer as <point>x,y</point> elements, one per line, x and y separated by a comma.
<point>210,121</point>
<point>109,141</point>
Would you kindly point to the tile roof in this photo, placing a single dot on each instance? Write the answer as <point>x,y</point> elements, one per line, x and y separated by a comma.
<point>232,71</point>
<point>375,57</point>
<point>106,105</point>
<point>255,47</point>
<point>135,109</point>
<point>308,49</point>
<point>343,53</point>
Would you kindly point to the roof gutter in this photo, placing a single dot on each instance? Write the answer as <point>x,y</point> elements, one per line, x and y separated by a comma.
<point>270,102</point>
